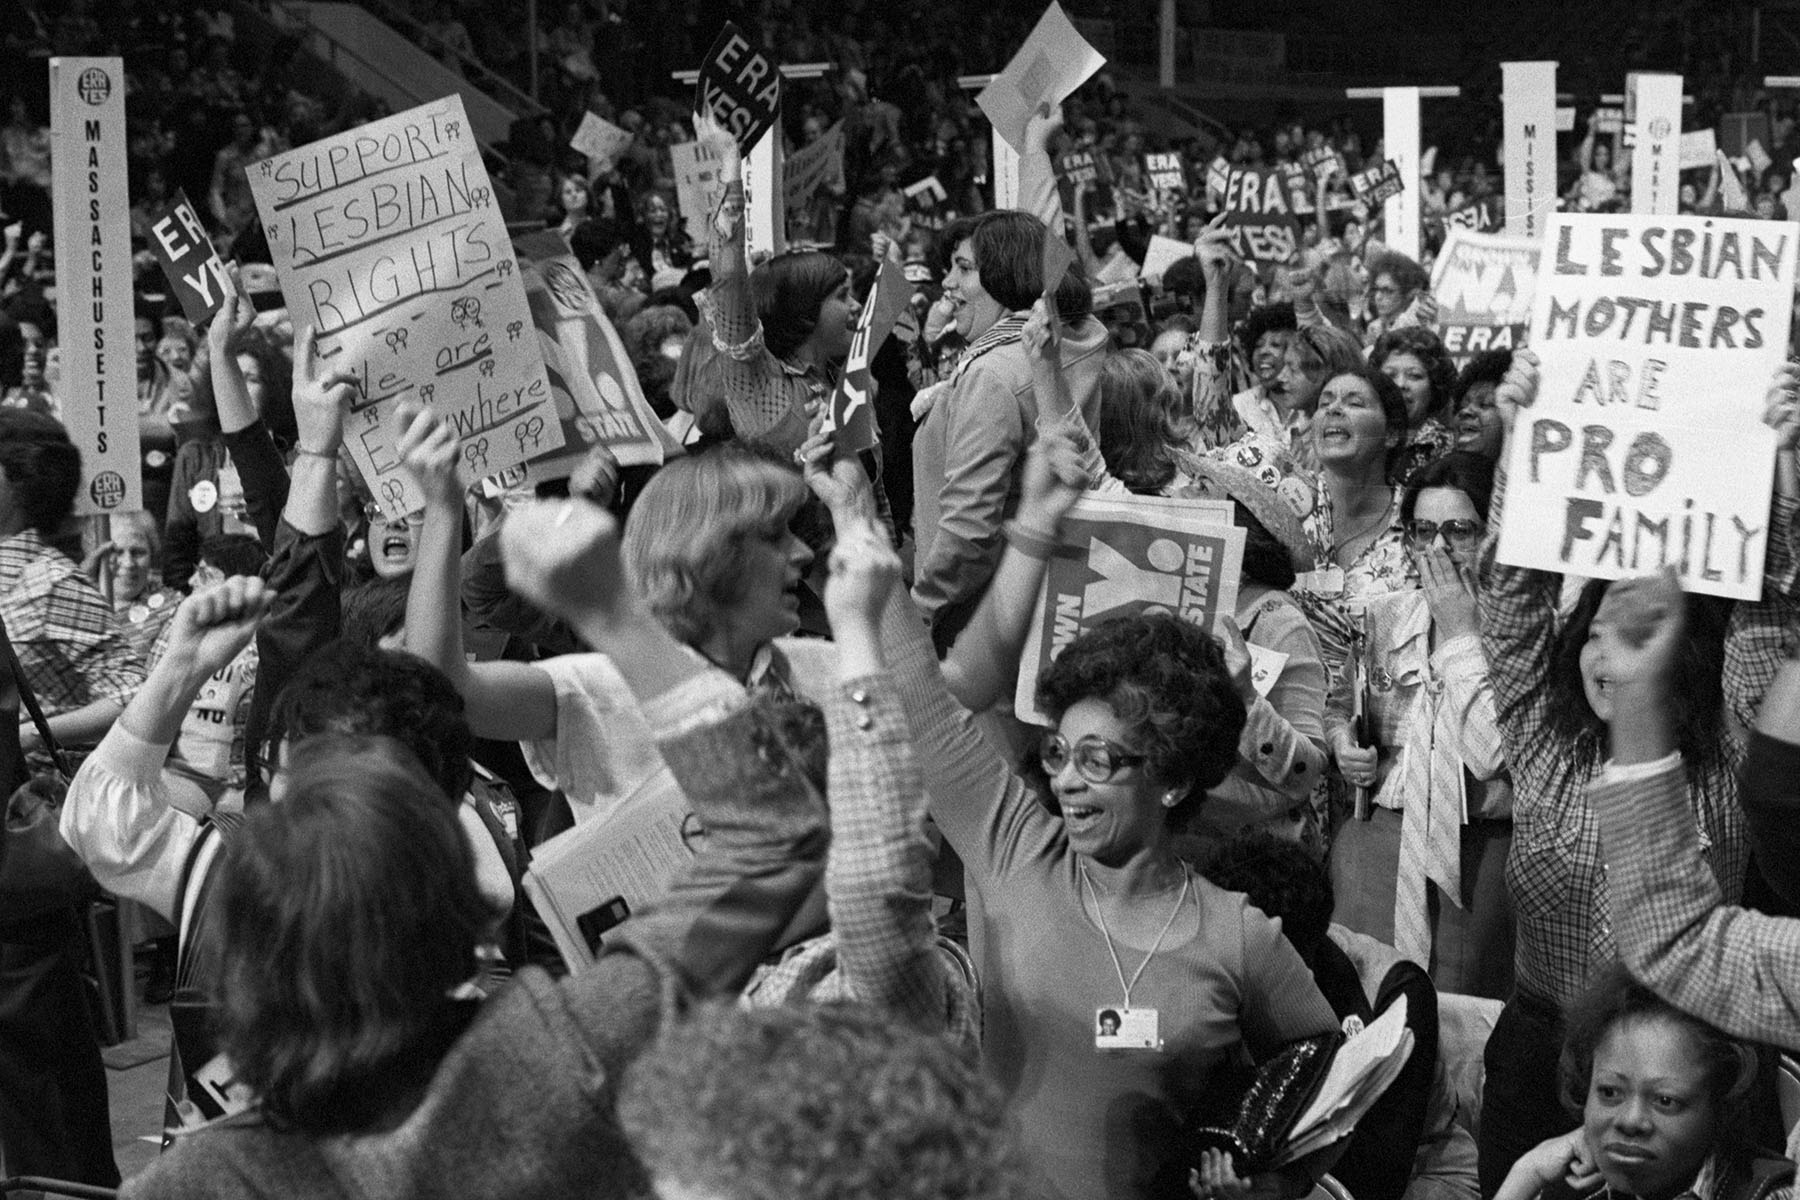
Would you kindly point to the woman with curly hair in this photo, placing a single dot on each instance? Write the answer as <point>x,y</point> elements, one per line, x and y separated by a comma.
<point>1399,295</point>
<point>1416,360</point>
<point>1662,1098</point>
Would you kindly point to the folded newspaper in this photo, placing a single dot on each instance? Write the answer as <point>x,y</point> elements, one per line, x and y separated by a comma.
<point>577,877</point>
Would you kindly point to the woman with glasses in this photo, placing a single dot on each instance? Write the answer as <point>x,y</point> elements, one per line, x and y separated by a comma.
<point>1399,296</point>
<point>1416,360</point>
<point>1424,872</point>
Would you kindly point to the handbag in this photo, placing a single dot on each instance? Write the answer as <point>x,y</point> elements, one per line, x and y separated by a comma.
<point>39,871</point>
<point>1284,1086</point>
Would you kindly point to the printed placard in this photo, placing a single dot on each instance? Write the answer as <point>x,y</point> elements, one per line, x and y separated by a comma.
<point>1376,185</point>
<point>1646,447</point>
<point>1484,285</point>
<point>1477,216</point>
<point>1124,555</point>
<point>598,398</point>
<point>1260,216</point>
<point>740,86</point>
<point>1165,171</point>
<point>1079,168</point>
<point>851,413</point>
<point>92,228</point>
<point>193,268</point>
<point>1323,162</point>
<point>389,243</point>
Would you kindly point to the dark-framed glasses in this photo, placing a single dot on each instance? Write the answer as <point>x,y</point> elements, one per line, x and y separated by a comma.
<point>1456,533</point>
<point>1096,759</point>
<point>373,514</point>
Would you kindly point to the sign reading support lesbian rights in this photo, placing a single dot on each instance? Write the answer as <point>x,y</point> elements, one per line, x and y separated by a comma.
<point>1646,447</point>
<point>389,243</point>
<point>1124,555</point>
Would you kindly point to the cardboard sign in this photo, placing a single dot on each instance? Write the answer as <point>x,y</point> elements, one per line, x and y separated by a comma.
<point>820,165</point>
<point>1260,216</point>
<point>1165,171</point>
<point>1484,286</point>
<point>389,244</point>
<point>1698,148</point>
<point>1124,555</point>
<point>92,228</point>
<point>1531,123</point>
<point>1163,253</point>
<point>1759,157</point>
<point>598,399</point>
<point>1081,168</point>
<point>697,189</point>
<point>1058,258</point>
<point>1323,162</point>
<point>1609,120</point>
<point>1218,177</point>
<point>188,260</point>
<point>1053,62</point>
<point>601,142</point>
<point>1378,184</point>
<point>740,86</point>
<point>1477,216</point>
<point>1646,447</point>
<point>851,413</point>
<point>1732,196</point>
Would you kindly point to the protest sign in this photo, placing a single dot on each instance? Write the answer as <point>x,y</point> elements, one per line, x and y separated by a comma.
<point>1478,216</point>
<point>740,86</point>
<point>1165,171</point>
<point>1259,216</point>
<point>1483,284</point>
<point>1759,157</point>
<point>820,165</point>
<point>601,142</point>
<point>1610,119</point>
<point>390,245</point>
<point>92,227</point>
<point>1656,154</point>
<point>697,188</point>
<point>1163,253</point>
<point>598,400</point>
<point>1058,258</point>
<point>1323,162</point>
<point>1732,197</point>
<point>1657,337</point>
<point>1698,148</point>
<point>1053,62</point>
<point>1300,184</point>
<point>1080,168</point>
<point>1124,555</point>
<point>1377,184</point>
<point>1529,105</point>
<point>851,413</point>
<point>189,262</point>
<point>1218,177</point>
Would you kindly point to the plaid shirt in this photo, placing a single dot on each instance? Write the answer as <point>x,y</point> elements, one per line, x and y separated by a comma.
<point>1555,872</point>
<point>1739,970</point>
<point>66,635</point>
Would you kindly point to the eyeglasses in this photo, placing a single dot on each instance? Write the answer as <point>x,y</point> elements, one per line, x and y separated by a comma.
<point>1383,289</point>
<point>373,514</point>
<point>1461,533</point>
<point>1096,759</point>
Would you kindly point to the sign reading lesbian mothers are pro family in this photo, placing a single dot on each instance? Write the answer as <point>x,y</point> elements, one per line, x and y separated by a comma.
<point>1646,447</point>
<point>389,243</point>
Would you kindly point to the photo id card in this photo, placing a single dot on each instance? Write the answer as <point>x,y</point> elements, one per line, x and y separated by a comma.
<point>1119,1028</point>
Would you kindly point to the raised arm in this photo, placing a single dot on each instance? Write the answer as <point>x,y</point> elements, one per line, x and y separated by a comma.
<point>259,465</point>
<point>505,700</point>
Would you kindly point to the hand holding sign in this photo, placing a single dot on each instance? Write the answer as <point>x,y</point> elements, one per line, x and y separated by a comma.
<point>1650,617</point>
<point>1051,481</point>
<point>1213,249</point>
<point>321,397</point>
<point>1781,405</point>
<point>1517,390</point>
<point>430,451</point>
<point>740,86</point>
<point>836,479</point>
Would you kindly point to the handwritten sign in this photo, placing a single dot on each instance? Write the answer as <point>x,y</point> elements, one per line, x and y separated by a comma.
<point>93,306</point>
<point>1260,216</point>
<point>1053,62</point>
<point>598,399</point>
<point>600,142</point>
<point>1165,171</point>
<point>388,242</point>
<point>820,165</point>
<point>189,262</point>
<point>1646,447</point>
<point>1698,148</point>
<point>740,86</point>
<point>1484,285</point>
<point>1124,555</point>
<point>697,188</point>
<point>851,413</point>
<point>1377,185</point>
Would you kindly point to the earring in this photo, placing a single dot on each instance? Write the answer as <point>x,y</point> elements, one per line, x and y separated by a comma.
<point>1170,799</point>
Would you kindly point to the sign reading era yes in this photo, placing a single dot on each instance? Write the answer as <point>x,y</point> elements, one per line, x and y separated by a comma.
<point>1259,212</point>
<point>1646,447</point>
<point>740,86</point>
<point>1377,185</point>
<point>191,265</point>
<point>388,242</point>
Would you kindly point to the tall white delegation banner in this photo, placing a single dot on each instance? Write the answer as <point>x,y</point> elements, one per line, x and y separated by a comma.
<point>1529,104</point>
<point>1656,158</point>
<point>1400,134</point>
<point>93,295</point>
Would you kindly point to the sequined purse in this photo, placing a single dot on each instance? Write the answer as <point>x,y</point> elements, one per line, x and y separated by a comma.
<point>1283,1087</point>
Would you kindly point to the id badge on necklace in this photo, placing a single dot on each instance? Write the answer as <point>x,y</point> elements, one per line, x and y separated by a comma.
<point>1119,1028</point>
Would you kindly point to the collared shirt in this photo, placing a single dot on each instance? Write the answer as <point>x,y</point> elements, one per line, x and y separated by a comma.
<point>1555,872</point>
<point>64,631</point>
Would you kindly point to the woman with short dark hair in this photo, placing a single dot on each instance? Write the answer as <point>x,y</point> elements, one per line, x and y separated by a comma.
<point>1416,360</point>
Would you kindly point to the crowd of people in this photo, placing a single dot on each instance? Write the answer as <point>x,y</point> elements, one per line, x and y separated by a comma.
<point>319,743</point>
